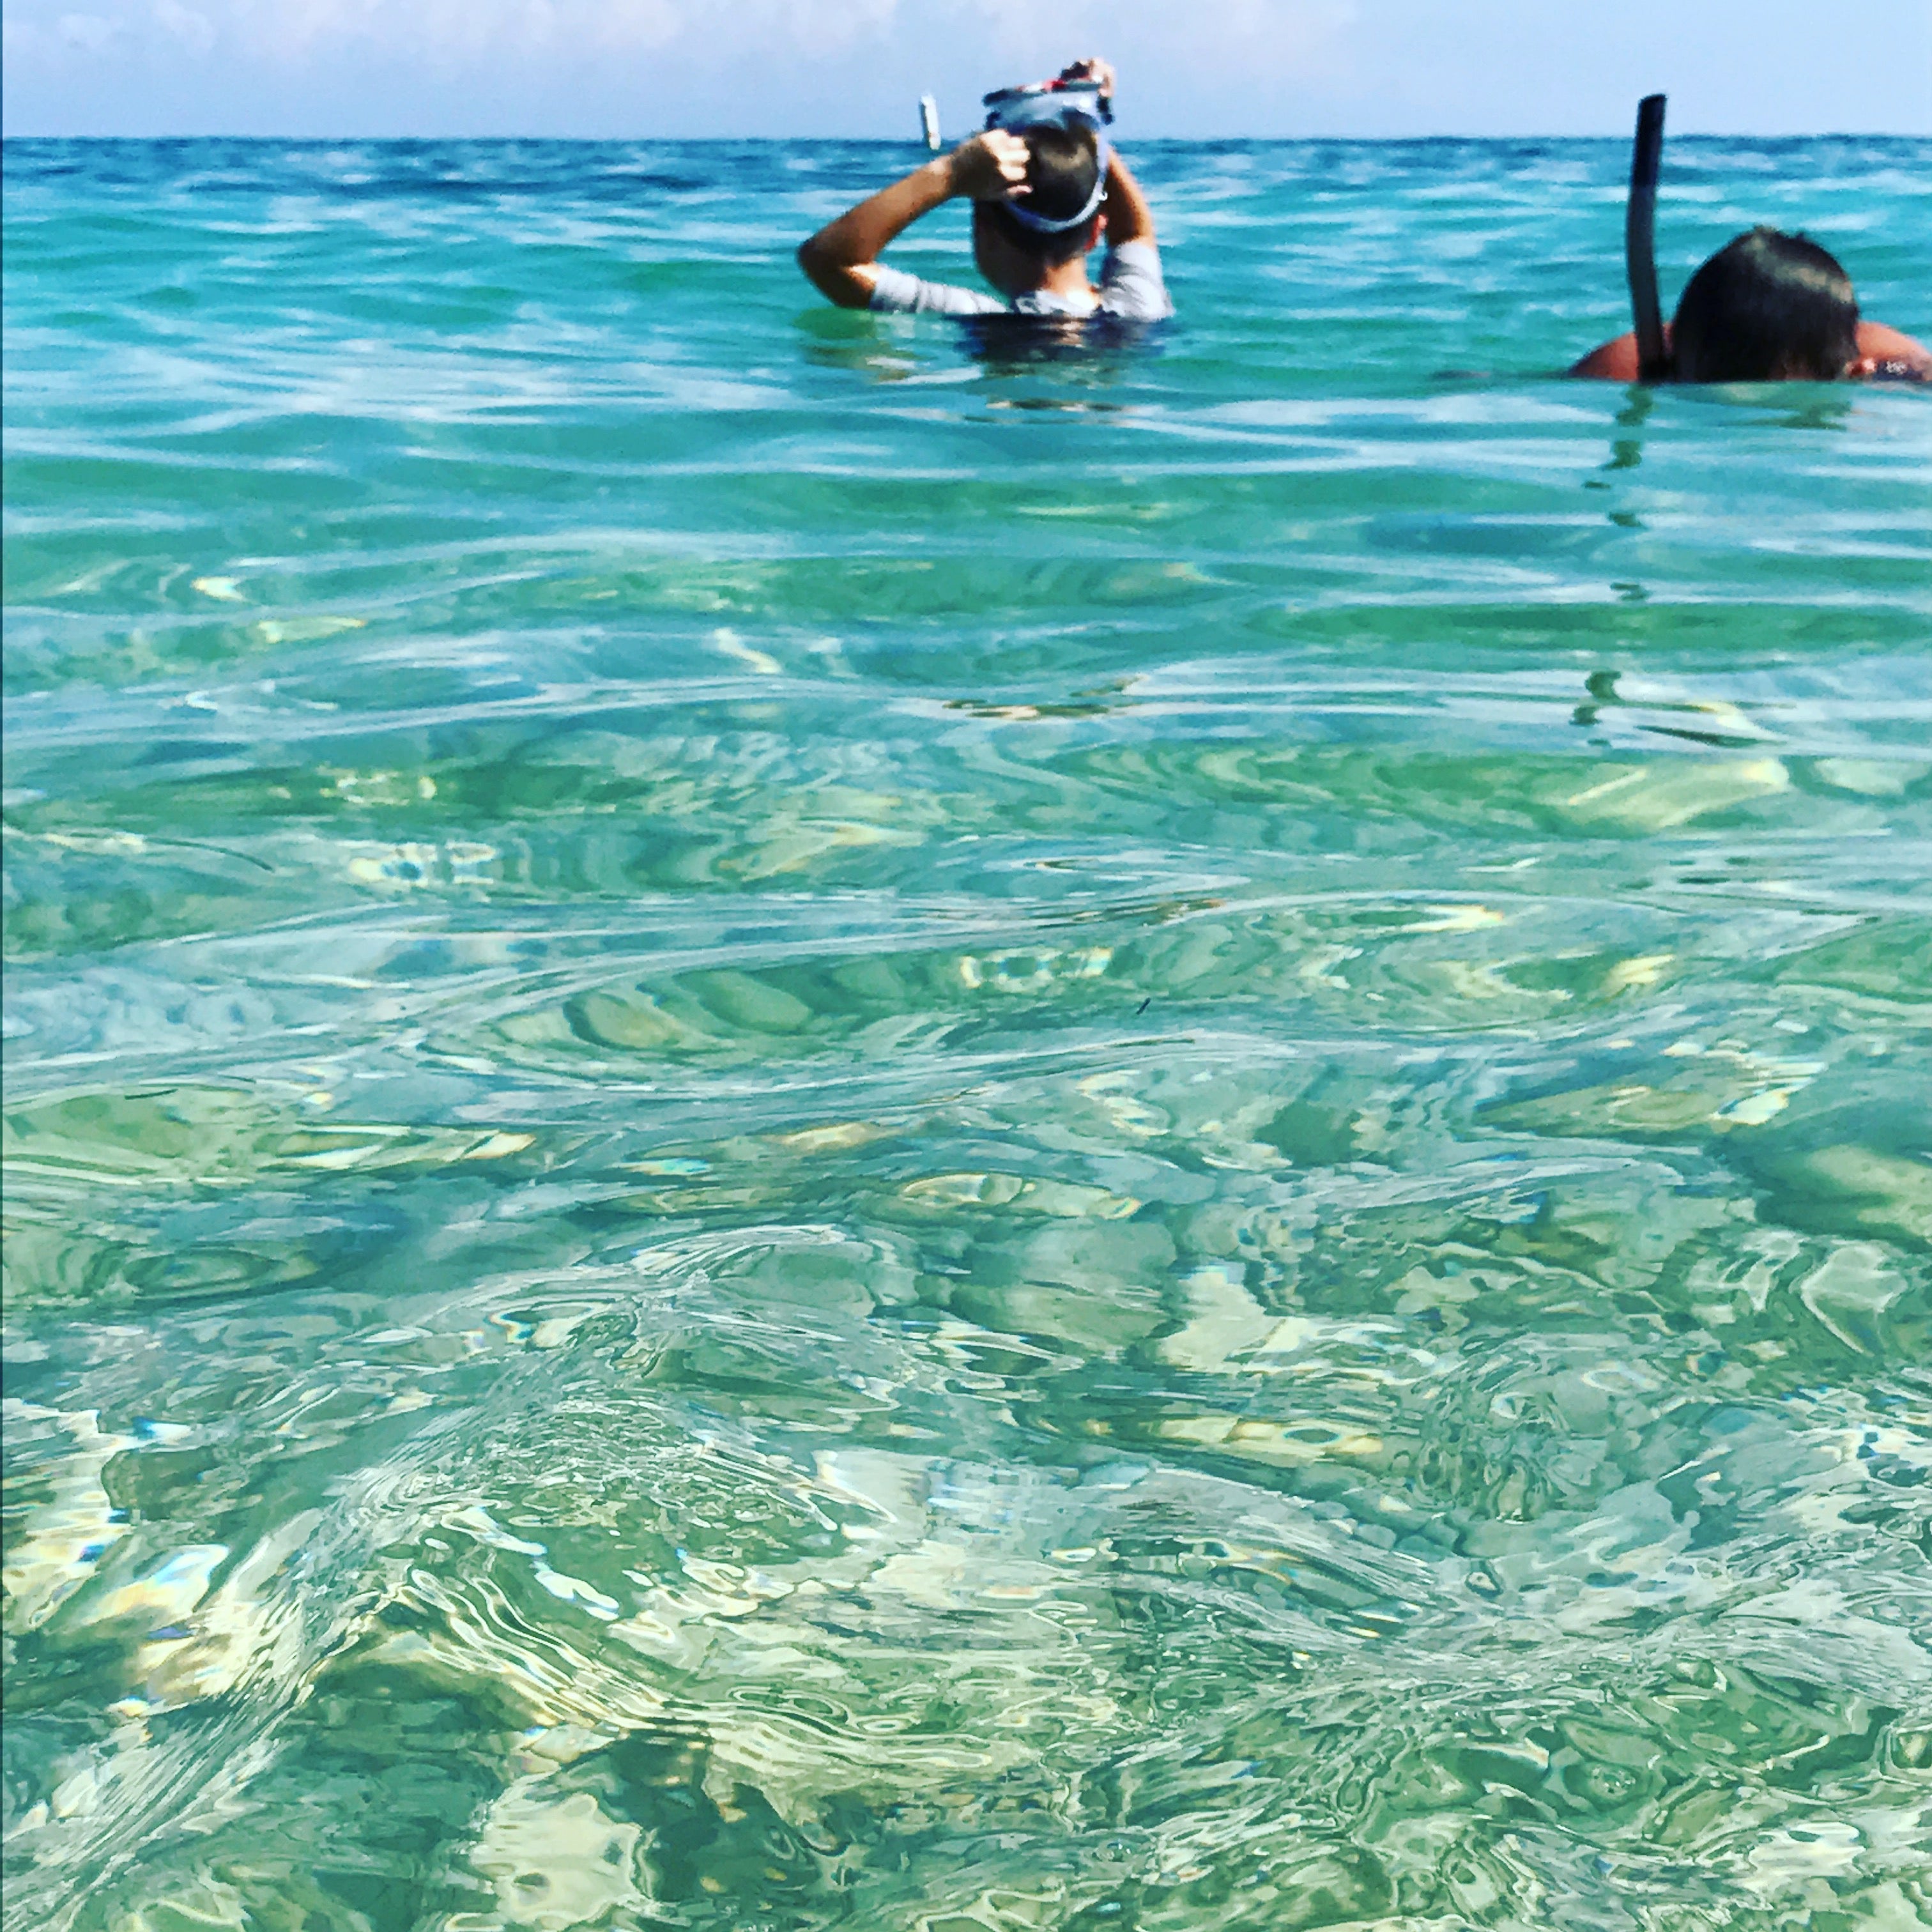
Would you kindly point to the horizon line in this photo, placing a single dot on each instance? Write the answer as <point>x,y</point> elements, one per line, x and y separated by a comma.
<point>913,141</point>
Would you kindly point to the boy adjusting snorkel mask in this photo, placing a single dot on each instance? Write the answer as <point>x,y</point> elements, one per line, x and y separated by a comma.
<point>1064,103</point>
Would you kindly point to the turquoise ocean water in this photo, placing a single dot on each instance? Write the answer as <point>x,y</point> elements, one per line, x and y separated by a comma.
<point>813,1125</point>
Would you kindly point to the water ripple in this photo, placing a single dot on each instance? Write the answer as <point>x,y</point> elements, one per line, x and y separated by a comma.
<point>799,1123</point>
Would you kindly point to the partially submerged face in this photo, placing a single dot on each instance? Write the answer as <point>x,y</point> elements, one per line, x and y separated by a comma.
<point>1767,307</point>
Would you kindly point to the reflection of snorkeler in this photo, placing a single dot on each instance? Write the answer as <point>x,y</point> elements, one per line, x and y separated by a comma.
<point>1044,196</point>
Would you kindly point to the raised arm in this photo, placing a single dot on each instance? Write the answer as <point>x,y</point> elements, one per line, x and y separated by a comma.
<point>1129,216</point>
<point>841,258</point>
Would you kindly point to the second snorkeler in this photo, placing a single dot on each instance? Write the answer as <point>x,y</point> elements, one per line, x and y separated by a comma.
<point>1044,196</point>
<point>1768,307</point>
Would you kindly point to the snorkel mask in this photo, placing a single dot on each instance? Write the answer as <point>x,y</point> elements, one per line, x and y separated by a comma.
<point>1059,103</point>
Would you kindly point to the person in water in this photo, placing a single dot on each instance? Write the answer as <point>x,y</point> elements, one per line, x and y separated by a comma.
<point>1043,199</point>
<point>1770,308</point>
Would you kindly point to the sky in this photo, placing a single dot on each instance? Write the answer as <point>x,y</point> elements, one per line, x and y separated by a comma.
<point>673,68</point>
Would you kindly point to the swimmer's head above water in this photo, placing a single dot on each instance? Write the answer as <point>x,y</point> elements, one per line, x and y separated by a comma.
<point>1769,307</point>
<point>1766,308</point>
<point>1054,217</point>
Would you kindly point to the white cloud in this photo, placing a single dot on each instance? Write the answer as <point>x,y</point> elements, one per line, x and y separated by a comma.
<point>1264,67</point>
<point>464,30</point>
<point>639,23</point>
<point>195,30</point>
<point>440,30</point>
<point>1222,32</point>
<point>91,30</point>
<point>1027,35</point>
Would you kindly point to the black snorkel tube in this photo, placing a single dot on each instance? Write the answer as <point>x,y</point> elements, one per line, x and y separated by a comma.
<point>1640,240</point>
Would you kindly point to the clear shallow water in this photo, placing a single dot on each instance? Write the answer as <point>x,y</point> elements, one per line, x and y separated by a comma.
<point>806,1132</point>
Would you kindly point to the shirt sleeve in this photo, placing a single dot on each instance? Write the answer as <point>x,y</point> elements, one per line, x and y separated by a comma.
<point>896,293</point>
<point>1132,286</point>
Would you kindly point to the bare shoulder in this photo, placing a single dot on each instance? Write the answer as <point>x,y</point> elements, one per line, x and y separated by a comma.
<point>1612,361</point>
<point>1881,351</point>
<point>1617,360</point>
<point>1891,350</point>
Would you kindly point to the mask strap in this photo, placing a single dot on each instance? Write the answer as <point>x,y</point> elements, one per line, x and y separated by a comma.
<point>1041,225</point>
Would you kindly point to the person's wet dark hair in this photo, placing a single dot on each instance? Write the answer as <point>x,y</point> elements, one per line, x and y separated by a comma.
<point>1062,164</point>
<point>1766,308</point>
